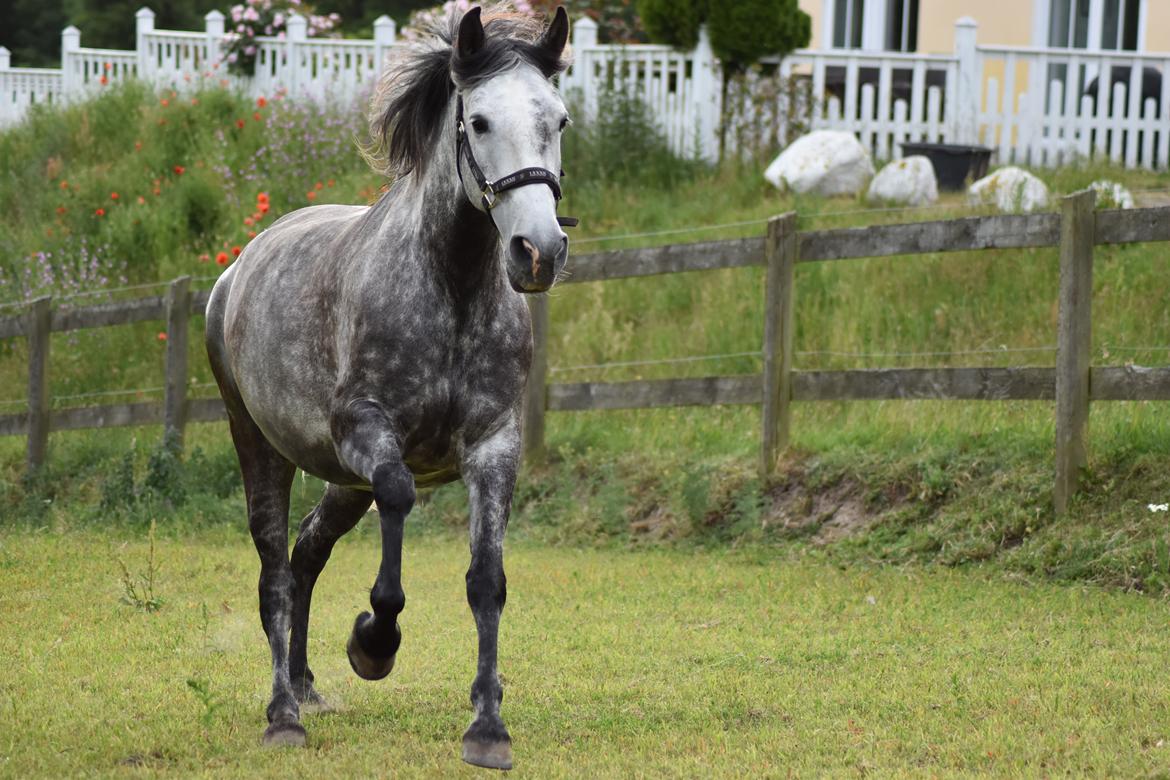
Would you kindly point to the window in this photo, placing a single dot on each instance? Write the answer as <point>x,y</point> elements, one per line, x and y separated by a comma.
<point>1119,25</point>
<point>848,16</point>
<point>902,25</point>
<point>873,25</point>
<point>1095,24</point>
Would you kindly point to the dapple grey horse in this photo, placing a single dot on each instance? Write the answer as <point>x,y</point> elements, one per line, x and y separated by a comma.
<point>385,348</point>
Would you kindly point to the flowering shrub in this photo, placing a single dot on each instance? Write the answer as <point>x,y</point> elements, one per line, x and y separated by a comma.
<point>255,18</point>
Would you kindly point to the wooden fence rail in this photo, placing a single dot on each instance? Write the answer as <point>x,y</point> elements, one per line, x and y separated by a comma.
<point>1072,384</point>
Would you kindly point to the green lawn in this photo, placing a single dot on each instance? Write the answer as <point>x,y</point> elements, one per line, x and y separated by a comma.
<point>616,663</point>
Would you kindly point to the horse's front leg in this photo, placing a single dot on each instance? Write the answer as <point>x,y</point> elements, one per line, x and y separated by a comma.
<point>368,446</point>
<point>489,470</point>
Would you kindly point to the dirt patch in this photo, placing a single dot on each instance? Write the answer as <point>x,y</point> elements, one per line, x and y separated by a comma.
<point>826,514</point>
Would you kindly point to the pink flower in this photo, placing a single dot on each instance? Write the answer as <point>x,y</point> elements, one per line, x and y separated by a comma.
<point>249,50</point>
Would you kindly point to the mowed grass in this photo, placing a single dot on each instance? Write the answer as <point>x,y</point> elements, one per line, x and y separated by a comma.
<point>616,664</point>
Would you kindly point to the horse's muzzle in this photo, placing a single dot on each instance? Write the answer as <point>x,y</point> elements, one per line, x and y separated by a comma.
<point>533,265</point>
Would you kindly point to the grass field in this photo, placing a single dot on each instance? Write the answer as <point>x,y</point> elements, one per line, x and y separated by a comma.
<point>615,664</point>
<point>893,482</point>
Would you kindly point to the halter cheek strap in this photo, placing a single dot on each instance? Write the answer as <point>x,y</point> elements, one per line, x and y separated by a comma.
<point>490,189</point>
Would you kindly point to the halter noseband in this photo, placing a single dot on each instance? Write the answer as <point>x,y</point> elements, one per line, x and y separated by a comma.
<point>490,189</point>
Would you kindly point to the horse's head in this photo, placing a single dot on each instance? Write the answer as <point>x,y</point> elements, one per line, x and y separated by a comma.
<point>508,143</point>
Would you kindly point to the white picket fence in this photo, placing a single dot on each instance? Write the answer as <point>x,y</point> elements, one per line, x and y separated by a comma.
<point>1031,105</point>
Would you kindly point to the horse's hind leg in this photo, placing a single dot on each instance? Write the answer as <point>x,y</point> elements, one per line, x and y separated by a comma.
<point>339,511</point>
<point>267,482</point>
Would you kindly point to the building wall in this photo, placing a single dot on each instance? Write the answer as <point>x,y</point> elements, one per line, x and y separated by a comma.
<point>1001,22</point>
<point>1157,25</point>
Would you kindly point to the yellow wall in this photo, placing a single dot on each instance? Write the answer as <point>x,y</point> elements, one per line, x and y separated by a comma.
<point>1157,25</point>
<point>1001,22</point>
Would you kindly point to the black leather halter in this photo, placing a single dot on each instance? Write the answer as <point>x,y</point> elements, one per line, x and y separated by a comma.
<point>490,189</point>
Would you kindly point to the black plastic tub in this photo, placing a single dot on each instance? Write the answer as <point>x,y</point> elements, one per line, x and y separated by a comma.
<point>954,164</point>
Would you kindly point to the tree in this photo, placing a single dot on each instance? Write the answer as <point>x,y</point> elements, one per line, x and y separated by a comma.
<point>741,32</point>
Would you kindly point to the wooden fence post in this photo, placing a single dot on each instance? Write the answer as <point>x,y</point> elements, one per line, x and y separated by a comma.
<point>780,251</point>
<point>40,322</point>
<point>175,399</point>
<point>534,397</point>
<point>1073,341</point>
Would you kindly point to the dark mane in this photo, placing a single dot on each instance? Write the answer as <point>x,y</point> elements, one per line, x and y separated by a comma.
<point>412,95</point>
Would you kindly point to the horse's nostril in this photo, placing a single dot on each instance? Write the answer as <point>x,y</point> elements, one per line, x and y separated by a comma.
<point>527,254</point>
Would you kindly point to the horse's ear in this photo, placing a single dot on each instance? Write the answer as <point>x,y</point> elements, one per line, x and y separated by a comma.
<point>557,34</point>
<point>471,37</point>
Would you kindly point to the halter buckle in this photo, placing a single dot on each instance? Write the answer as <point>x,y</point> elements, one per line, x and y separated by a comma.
<point>489,195</point>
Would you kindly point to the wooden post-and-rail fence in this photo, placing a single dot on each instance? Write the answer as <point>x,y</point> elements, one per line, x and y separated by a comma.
<point>1072,384</point>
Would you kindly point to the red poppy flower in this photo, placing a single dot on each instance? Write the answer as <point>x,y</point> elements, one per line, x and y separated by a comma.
<point>261,197</point>
<point>157,191</point>
<point>311,195</point>
<point>251,234</point>
<point>106,66</point>
<point>205,258</point>
<point>240,124</point>
<point>221,258</point>
<point>256,116</point>
<point>64,184</point>
<point>261,101</point>
<point>178,169</point>
<point>165,102</point>
<point>318,186</point>
<point>236,251</point>
<point>162,336</point>
<point>100,212</point>
<point>330,183</point>
<point>60,209</point>
<point>263,208</point>
<point>103,81</point>
<point>113,196</point>
<point>141,200</point>
<point>248,221</point>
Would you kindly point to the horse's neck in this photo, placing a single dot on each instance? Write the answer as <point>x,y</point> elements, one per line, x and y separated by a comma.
<point>456,242</point>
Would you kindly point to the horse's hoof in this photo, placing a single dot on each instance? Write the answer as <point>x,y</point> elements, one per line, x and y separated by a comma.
<point>364,665</point>
<point>285,735</point>
<point>490,755</point>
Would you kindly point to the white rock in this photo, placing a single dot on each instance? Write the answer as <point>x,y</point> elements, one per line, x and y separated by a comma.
<point>1010,189</point>
<point>907,182</point>
<point>824,162</point>
<point>1111,195</point>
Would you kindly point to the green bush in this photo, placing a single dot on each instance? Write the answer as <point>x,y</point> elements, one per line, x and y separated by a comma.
<point>741,32</point>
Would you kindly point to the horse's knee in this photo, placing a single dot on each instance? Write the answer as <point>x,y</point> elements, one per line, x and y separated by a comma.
<point>487,587</point>
<point>393,487</point>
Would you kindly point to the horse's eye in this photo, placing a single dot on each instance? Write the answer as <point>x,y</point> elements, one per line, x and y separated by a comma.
<point>479,125</point>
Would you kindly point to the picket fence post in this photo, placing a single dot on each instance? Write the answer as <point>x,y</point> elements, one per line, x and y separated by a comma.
<point>5,58</point>
<point>969,89</point>
<point>1073,341</point>
<point>535,391</point>
<point>39,326</point>
<point>143,24</point>
<point>298,32</point>
<point>70,42</point>
<point>213,28</point>
<point>385,31</point>
<point>584,37</point>
<point>780,253</point>
<point>178,306</point>
<point>708,92</point>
